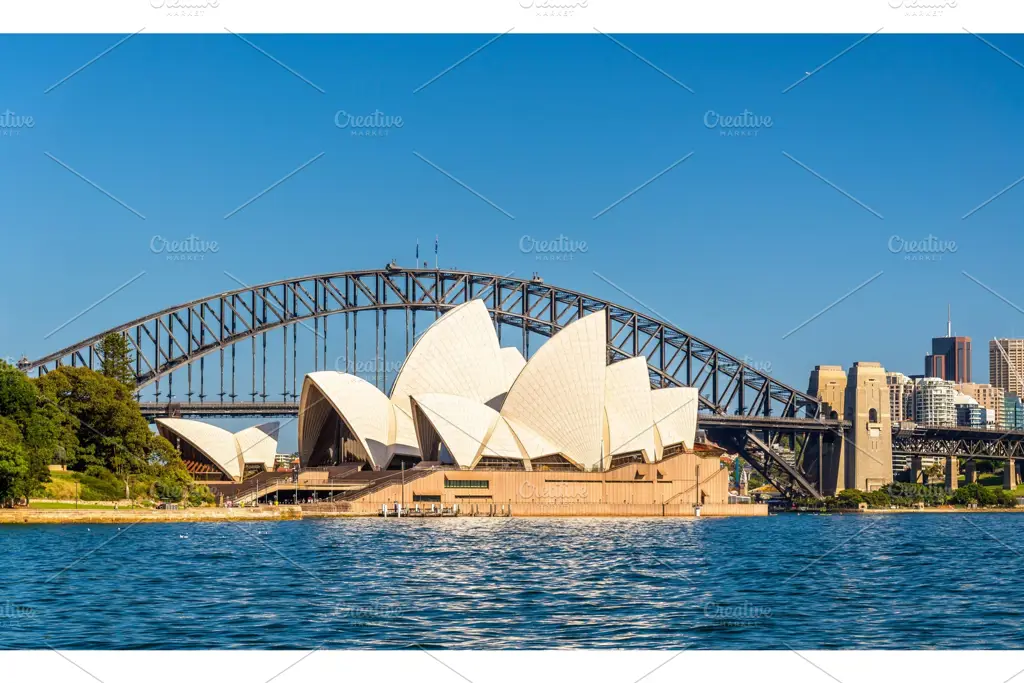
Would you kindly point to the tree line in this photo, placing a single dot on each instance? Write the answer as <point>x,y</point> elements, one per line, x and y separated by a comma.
<point>91,423</point>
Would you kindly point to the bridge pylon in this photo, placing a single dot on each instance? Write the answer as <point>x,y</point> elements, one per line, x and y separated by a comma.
<point>861,458</point>
<point>868,462</point>
<point>828,384</point>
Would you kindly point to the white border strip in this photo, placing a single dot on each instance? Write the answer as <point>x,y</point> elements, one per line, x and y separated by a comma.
<point>521,16</point>
<point>446,666</point>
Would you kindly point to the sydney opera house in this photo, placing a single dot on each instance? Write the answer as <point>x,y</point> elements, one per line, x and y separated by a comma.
<point>471,422</point>
<point>460,399</point>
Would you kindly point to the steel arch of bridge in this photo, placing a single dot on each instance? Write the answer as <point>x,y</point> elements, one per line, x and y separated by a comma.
<point>180,336</point>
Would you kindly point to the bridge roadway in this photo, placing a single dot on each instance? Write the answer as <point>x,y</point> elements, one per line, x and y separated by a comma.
<point>908,438</point>
<point>153,410</point>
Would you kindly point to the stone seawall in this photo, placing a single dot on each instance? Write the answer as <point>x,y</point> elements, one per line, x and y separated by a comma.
<point>129,516</point>
<point>361,509</point>
<point>294,512</point>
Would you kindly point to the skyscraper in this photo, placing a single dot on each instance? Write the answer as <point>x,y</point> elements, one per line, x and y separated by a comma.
<point>1006,364</point>
<point>955,365</point>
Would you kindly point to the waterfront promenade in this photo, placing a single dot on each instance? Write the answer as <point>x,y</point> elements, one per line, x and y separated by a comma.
<point>265,513</point>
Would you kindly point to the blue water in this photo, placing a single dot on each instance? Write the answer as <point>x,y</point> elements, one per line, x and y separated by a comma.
<point>850,581</point>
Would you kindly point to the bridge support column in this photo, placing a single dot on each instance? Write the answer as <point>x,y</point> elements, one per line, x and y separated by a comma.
<point>970,472</point>
<point>1010,475</point>
<point>915,469</point>
<point>828,383</point>
<point>952,473</point>
<point>869,458</point>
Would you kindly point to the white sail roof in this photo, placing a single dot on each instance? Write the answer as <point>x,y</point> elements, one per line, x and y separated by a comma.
<point>363,407</point>
<point>628,408</point>
<point>675,415</point>
<point>457,355</point>
<point>462,424</point>
<point>512,363</point>
<point>258,444</point>
<point>560,393</point>
<point>217,444</point>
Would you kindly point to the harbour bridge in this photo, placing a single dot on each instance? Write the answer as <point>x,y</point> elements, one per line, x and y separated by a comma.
<point>244,352</point>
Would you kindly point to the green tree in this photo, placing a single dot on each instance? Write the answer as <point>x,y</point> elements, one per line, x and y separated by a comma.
<point>1005,498</point>
<point>117,359</point>
<point>109,428</point>
<point>877,499</point>
<point>13,463</point>
<point>201,495</point>
<point>849,498</point>
<point>974,493</point>
<point>40,424</point>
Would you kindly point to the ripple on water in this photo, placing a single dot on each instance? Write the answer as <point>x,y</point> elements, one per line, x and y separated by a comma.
<point>914,581</point>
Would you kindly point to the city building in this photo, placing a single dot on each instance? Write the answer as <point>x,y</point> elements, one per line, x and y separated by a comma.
<point>989,397</point>
<point>901,396</point>
<point>950,358</point>
<point>935,366</point>
<point>212,454</point>
<point>1013,412</point>
<point>1006,364</point>
<point>968,412</point>
<point>933,402</point>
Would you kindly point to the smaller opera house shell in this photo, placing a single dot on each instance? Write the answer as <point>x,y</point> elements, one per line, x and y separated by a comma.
<point>460,399</point>
<point>216,455</point>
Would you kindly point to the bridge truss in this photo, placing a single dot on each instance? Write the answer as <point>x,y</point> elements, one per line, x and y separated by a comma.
<point>961,442</point>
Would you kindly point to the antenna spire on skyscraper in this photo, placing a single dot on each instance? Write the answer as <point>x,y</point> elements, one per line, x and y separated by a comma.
<point>949,322</point>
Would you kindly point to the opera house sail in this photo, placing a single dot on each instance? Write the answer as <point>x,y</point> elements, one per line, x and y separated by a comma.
<point>216,455</point>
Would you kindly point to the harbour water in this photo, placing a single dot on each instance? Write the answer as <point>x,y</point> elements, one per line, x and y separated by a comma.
<point>944,581</point>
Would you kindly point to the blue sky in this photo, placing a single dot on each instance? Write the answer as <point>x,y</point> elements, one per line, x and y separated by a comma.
<point>739,244</point>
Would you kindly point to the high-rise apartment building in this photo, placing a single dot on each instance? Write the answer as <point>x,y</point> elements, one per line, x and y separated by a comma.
<point>933,402</point>
<point>950,358</point>
<point>1006,364</point>
<point>901,396</point>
